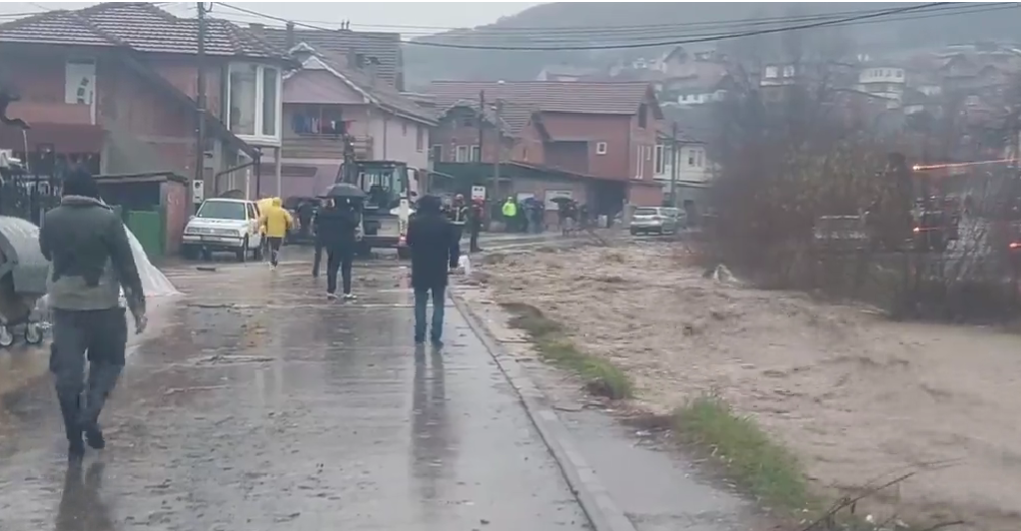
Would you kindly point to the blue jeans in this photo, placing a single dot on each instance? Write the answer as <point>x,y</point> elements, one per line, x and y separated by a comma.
<point>421,301</point>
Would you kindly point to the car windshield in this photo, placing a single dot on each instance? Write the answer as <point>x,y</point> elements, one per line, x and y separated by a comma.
<point>221,210</point>
<point>646,212</point>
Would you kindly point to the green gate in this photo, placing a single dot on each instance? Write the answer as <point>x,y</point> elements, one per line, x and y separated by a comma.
<point>147,226</point>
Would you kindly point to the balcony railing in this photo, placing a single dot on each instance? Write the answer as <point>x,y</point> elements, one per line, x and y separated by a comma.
<point>324,147</point>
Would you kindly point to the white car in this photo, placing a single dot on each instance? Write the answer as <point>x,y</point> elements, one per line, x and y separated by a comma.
<point>222,224</point>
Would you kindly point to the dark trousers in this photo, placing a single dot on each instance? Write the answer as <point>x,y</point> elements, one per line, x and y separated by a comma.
<point>458,232</point>
<point>317,259</point>
<point>473,239</point>
<point>274,249</point>
<point>422,296</point>
<point>99,336</point>
<point>339,258</point>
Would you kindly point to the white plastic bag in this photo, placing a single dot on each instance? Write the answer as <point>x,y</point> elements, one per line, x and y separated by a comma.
<point>464,264</point>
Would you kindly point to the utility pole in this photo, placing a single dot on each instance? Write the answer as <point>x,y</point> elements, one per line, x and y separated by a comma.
<point>499,147</point>
<point>482,122</point>
<point>673,166</point>
<point>200,101</point>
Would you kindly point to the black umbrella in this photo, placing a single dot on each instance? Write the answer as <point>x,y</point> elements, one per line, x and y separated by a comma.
<point>561,199</point>
<point>340,190</point>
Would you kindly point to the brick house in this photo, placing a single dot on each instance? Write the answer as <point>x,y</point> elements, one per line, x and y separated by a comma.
<point>334,95</point>
<point>602,134</point>
<point>117,83</point>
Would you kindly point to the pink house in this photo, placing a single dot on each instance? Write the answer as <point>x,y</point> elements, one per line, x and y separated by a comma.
<point>333,95</point>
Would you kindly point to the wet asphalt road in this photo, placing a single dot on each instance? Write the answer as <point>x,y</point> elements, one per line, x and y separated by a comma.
<point>257,404</point>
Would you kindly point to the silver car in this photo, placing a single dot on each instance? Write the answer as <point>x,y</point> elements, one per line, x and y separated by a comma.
<point>658,220</point>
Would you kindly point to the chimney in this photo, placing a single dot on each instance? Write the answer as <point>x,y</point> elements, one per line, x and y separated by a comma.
<point>256,26</point>
<point>290,35</point>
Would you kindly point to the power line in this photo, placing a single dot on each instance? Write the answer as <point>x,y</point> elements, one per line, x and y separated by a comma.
<point>673,42</point>
<point>665,30</point>
<point>555,40</point>
<point>745,22</point>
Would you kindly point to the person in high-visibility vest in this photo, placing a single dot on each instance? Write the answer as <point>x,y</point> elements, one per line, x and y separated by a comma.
<point>510,213</point>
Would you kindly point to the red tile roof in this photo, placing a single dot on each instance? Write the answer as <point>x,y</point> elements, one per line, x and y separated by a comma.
<point>385,47</point>
<point>522,98</point>
<point>139,26</point>
<point>378,92</point>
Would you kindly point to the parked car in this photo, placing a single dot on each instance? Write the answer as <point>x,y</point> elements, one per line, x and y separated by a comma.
<point>658,220</point>
<point>222,224</point>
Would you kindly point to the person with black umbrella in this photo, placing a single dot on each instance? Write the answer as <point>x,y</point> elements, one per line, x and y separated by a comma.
<point>432,239</point>
<point>337,230</point>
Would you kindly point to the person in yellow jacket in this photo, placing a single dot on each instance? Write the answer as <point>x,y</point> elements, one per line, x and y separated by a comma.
<point>263,205</point>
<point>275,220</point>
<point>510,214</point>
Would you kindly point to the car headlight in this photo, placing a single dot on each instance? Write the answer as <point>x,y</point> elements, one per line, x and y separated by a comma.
<point>191,230</point>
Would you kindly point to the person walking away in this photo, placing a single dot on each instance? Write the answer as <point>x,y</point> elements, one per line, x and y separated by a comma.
<point>276,220</point>
<point>434,252</point>
<point>475,215</point>
<point>305,213</point>
<point>263,205</point>
<point>90,262</point>
<point>458,215</point>
<point>510,214</point>
<point>338,226</point>
<point>317,235</point>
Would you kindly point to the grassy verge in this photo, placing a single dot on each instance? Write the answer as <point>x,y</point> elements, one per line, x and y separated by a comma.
<point>601,377</point>
<point>766,469</point>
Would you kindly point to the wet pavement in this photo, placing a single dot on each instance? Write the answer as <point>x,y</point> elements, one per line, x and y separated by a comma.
<point>258,404</point>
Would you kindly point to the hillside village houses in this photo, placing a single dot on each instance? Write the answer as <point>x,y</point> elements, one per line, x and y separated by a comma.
<point>114,85</point>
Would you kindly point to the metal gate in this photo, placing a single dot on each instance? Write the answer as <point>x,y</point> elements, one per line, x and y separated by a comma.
<point>29,188</point>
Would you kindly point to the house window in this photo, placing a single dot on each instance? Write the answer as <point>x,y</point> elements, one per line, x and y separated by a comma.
<point>660,160</point>
<point>771,72</point>
<point>691,157</point>
<point>242,99</point>
<point>419,138</point>
<point>461,154</point>
<point>643,118</point>
<point>640,168</point>
<point>269,101</point>
<point>600,148</point>
<point>437,153</point>
<point>317,120</point>
<point>788,71</point>
<point>79,81</point>
<point>476,154</point>
<point>253,100</point>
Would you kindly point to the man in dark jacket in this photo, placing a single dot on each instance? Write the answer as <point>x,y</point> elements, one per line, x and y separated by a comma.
<point>434,251</point>
<point>337,227</point>
<point>475,215</point>
<point>317,258</point>
<point>458,215</point>
<point>90,261</point>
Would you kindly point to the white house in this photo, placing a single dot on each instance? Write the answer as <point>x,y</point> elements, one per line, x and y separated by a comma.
<point>883,81</point>
<point>694,172</point>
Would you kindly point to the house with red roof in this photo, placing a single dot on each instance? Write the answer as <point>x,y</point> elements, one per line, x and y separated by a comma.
<point>593,141</point>
<point>116,84</point>
<point>338,96</point>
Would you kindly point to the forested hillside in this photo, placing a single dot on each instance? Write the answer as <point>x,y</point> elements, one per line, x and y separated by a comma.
<point>561,24</point>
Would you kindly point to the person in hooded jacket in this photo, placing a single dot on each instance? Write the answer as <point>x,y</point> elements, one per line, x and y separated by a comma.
<point>90,263</point>
<point>337,227</point>
<point>432,239</point>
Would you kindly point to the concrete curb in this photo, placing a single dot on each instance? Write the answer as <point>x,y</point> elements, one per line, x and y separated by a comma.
<point>594,498</point>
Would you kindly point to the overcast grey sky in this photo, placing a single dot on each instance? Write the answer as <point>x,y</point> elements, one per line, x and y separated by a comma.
<point>406,17</point>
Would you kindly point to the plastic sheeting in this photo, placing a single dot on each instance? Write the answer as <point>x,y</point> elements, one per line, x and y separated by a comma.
<point>154,282</point>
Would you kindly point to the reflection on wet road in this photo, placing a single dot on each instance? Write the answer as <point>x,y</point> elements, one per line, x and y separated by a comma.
<point>261,405</point>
